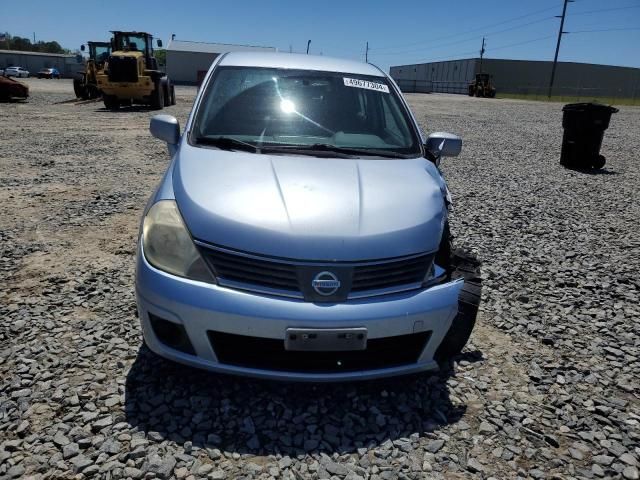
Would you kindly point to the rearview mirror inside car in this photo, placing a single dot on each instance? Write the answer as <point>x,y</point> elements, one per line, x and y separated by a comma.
<point>443,144</point>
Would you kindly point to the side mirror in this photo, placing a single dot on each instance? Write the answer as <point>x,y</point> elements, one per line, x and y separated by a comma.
<point>159,43</point>
<point>443,144</point>
<point>167,129</point>
<point>82,47</point>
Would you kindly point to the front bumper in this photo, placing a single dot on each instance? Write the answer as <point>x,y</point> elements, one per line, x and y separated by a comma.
<point>201,308</point>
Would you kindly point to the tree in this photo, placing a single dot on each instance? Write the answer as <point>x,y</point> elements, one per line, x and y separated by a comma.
<point>24,44</point>
<point>49,47</point>
<point>161,56</point>
<point>20,43</point>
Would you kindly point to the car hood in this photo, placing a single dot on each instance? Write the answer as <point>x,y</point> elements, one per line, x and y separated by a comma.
<point>310,208</point>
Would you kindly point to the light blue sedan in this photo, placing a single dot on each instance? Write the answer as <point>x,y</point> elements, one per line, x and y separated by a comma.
<point>300,231</point>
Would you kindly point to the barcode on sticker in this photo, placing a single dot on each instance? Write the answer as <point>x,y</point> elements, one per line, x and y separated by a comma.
<point>355,82</point>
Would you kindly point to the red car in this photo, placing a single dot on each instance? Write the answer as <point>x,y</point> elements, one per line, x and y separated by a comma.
<point>10,88</point>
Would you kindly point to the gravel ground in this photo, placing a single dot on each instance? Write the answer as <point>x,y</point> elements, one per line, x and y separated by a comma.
<point>548,387</point>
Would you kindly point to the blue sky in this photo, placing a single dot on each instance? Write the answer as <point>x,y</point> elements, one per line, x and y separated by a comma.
<point>399,32</point>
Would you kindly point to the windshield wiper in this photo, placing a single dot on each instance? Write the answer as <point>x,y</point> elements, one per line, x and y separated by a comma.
<point>327,147</point>
<point>230,143</point>
<point>227,143</point>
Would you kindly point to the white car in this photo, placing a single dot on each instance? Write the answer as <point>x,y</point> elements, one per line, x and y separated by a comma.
<point>16,72</point>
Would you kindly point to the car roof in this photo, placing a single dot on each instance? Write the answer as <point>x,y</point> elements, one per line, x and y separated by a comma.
<point>299,61</point>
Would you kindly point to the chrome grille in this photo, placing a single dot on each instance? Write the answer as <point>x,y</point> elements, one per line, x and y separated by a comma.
<point>252,272</point>
<point>390,274</point>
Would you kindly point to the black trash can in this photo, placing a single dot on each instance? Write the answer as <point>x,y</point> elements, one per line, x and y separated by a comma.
<point>584,125</point>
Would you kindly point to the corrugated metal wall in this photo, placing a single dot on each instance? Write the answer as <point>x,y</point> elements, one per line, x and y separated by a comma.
<point>572,79</point>
<point>446,77</point>
<point>521,77</point>
<point>183,67</point>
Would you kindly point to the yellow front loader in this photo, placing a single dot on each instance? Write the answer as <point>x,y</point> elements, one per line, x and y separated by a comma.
<point>131,74</point>
<point>85,85</point>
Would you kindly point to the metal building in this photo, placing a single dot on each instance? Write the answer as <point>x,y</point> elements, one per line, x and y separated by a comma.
<point>68,65</point>
<point>188,62</point>
<point>526,77</point>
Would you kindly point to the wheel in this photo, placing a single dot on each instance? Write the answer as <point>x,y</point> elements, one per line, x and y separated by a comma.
<point>93,91</point>
<point>173,95</point>
<point>467,266</point>
<point>157,96</point>
<point>111,102</point>
<point>79,88</point>
<point>167,94</point>
<point>598,162</point>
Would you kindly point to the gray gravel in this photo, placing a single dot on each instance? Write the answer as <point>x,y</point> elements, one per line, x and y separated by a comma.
<point>548,387</point>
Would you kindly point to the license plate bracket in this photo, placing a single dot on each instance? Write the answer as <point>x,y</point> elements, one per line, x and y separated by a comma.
<point>325,339</point>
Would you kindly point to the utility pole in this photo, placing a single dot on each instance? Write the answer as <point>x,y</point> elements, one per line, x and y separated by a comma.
<point>290,48</point>
<point>481,54</point>
<point>308,43</point>
<point>366,54</point>
<point>560,32</point>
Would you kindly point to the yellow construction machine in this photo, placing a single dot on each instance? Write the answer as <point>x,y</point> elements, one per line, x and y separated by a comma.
<point>131,74</point>
<point>85,85</point>
<point>482,86</point>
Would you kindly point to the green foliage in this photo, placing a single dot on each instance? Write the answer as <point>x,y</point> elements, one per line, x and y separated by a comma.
<point>161,56</point>
<point>25,45</point>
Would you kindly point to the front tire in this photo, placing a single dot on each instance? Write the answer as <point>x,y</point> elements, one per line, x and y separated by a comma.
<point>79,88</point>
<point>598,162</point>
<point>93,91</point>
<point>462,265</point>
<point>111,102</point>
<point>157,96</point>
<point>167,94</point>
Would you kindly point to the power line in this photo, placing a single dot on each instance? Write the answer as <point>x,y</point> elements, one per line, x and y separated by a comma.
<point>521,43</point>
<point>469,39</point>
<point>605,30</point>
<point>445,57</point>
<point>488,49</point>
<point>560,32</point>
<point>605,10</point>
<point>468,31</point>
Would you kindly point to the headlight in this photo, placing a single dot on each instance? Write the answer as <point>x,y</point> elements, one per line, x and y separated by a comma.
<point>168,245</point>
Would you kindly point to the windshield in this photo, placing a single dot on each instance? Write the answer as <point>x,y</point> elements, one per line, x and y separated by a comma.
<point>305,110</point>
<point>100,53</point>
<point>131,42</point>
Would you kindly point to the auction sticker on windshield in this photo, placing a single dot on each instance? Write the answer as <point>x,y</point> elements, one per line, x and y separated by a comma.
<point>356,82</point>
